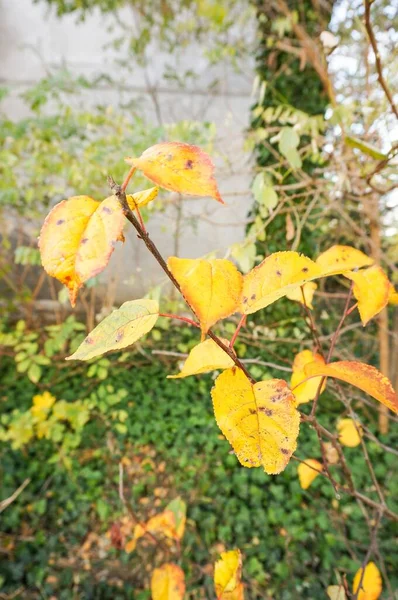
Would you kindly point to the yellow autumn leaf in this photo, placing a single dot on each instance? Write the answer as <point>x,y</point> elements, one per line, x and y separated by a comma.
<point>308,471</point>
<point>338,259</point>
<point>308,289</point>
<point>349,433</point>
<point>168,583</point>
<point>211,287</point>
<point>120,329</point>
<point>372,584</point>
<point>260,421</point>
<point>140,199</point>
<point>277,275</point>
<point>336,592</point>
<point>78,238</point>
<point>180,168</point>
<point>41,406</point>
<point>365,377</point>
<point>393,296</point>
<point>306,391</point>
<point>206,356</point>
<point>372,290</point>
<point>227,576</point>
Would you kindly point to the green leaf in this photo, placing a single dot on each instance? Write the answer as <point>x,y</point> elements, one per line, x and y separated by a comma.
<point>34,372</point>
<point>121,328</point>
<point>364,147</point>
<point>288,143</point>
<point>264,193</point>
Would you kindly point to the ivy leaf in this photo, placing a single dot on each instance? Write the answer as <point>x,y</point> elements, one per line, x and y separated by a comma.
<point>372,585</point>
<point>297,294</point>
<point>120,329</point>
<point>365,377</point>
<point>211,287</point>
<point>339,259</point>
<point>349,433</point>
<point>260,421</point>
<point>272,279</point>
<point>206,356</point>
<point>304,392</point>
<point>140,199</point>
<point>227,576</point>
<point>168,583</point>
<point>180,168</point>
<point>372,290</point>
<point>78,238</point>
<point>308,471</point>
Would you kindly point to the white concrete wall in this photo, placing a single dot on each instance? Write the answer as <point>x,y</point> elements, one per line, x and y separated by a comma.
<point>31,38</point>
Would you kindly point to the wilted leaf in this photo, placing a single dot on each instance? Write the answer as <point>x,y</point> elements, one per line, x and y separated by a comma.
<point>371,289</point>
<point>227,576</point>
<point>211,287</point>
<point>297,294</point>
<point>180,168</point>
<point>120,329</point>
<point>140,199</point>
<point>290,229</point>
<point>372,585</point>
<point>336,592</point>
<point>365,377</point>
<point>168,583</point>
<point>78,238</point>
<point>308,471</point>
<point>260,421</point>
<point>349,433</point>
<point>206,356</point>
<point>168,524</point>
<point>307,390</point>
<point>339,259</point>
<point>277,275</point>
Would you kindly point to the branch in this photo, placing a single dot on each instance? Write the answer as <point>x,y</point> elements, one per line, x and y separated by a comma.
<point>379,66</point>
<point>5,503</point>
<point>144,235</point>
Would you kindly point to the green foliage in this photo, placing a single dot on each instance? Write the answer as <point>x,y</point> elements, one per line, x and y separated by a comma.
<point>170,436</point>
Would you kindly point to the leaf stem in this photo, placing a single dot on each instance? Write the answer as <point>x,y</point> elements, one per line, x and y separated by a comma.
<point>238,328</point>
<point>128,177</point>
<point>170,316</point>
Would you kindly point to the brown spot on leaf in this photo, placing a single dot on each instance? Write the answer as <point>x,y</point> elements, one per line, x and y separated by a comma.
<point>107,210</point>
<point>84,241</point>
<point>279,273</point>
<point>245,300</point>
<point>189,164</point>
<point>252,411</point>
<point>119,336</point>
<point>60,221</point>
<point>267,411</point>
<point>253,297</point>
<point>89,340</point>
<point>284,451</point>
<point>305,269</point>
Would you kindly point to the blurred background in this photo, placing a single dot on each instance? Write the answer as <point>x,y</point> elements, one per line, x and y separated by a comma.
<point>302,124</point>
